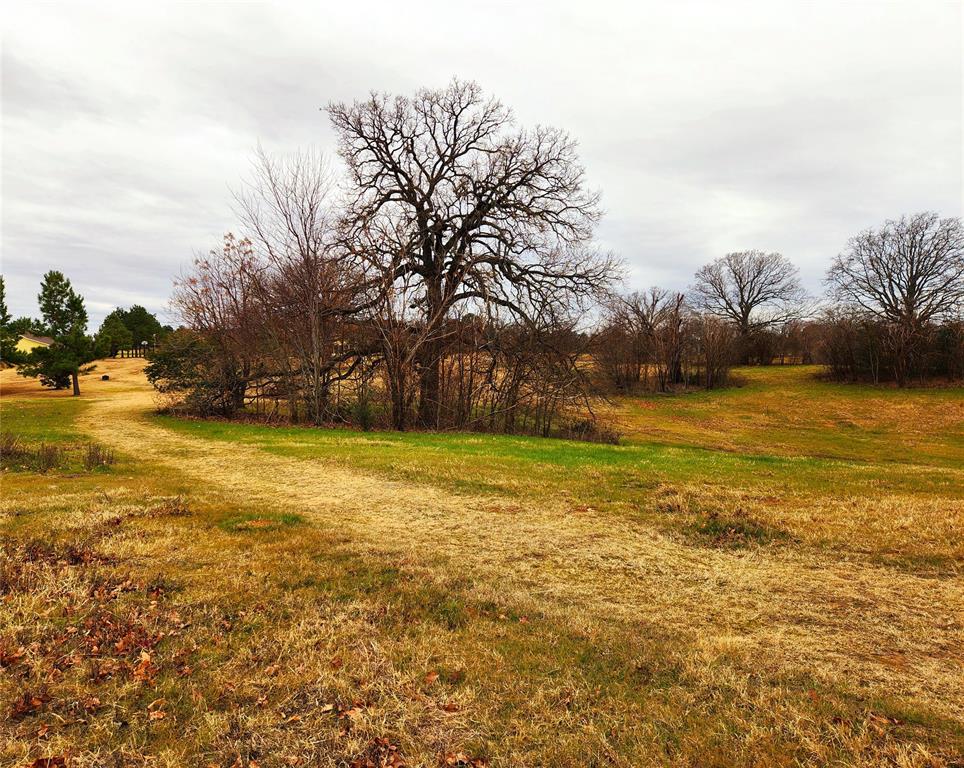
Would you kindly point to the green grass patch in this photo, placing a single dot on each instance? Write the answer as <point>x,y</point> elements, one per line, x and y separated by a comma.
<point>42,419</point>
<point>41,436</point>
<point>791,411</point>
<point>254,522</point>
<point>533,466</point>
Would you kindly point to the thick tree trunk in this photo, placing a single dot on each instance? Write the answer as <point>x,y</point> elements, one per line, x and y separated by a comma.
<point>746,346</point>
<point>76,382</point>
<point>399,422</point>
<point>746,343</point>
<point>430,359</point>
<point>429,389</point>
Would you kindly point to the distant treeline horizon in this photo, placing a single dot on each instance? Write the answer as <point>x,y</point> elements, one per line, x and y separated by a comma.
<point>447,276</point>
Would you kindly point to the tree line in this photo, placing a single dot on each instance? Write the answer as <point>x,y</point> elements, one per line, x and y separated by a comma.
<point>447,278</point>
<point>899,303</point>
<point>451,282</point>
<point>893,312</point>
<point>447,287</point>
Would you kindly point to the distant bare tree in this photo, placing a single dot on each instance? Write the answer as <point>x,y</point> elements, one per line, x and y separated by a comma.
<point>450,197</point>
<point>908,272</point>
<point>752,289</point>
<point>624,346</point>
<point>712,348</point>
<point>907,275</point>
<point>667,312</point>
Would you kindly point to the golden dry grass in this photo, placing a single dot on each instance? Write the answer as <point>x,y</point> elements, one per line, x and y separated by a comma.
<point>789,411</point>
<point>320,598</point>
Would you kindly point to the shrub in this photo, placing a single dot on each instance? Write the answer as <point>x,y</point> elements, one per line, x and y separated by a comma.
<point>11,447</point>
<point>590,431</point>
<point>97,456</point>
<point>189,368</point>
<point>364,412</point>
<point>48,456</point>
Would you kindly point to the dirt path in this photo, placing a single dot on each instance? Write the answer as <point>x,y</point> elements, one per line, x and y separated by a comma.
<point>879,629</point>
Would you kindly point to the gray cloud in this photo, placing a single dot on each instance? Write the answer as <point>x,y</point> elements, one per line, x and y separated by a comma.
<point>708,127</point>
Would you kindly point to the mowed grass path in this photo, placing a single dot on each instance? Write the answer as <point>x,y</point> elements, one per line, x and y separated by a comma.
<point>709,593</point>
<point>787,448</point>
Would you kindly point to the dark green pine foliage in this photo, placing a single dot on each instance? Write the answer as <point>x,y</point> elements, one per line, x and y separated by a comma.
<point>64,315</point>
<point>8,331</point>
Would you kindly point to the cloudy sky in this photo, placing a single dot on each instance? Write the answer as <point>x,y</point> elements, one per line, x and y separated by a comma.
<point>707,126</point>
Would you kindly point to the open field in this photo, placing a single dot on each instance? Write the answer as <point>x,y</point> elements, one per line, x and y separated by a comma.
<point>768,575</point>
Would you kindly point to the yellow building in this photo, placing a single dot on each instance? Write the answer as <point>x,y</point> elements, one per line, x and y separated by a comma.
<point>28,341</point>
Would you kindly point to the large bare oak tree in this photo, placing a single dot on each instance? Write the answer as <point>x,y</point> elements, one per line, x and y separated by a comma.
<point>447,194</point>
<point>906,275</point>
<point>908,272</point>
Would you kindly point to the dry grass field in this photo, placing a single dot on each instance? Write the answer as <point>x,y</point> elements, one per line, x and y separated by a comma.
<point>763,576</point>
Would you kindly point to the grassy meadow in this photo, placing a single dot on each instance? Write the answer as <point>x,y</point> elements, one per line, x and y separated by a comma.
<point>768,575</point>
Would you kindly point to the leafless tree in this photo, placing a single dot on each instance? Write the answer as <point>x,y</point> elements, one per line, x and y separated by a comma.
<point>218,299</point>
<point>309,288</point>
<point>752,289</point>
<point>448,195</point>
<point>401,335</point>
<point>908,272</point>
<point>623,348</point>
<point>712,348</point>
<point>667,312</point>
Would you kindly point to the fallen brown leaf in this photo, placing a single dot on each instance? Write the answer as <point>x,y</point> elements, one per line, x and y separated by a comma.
<point>56,761</point>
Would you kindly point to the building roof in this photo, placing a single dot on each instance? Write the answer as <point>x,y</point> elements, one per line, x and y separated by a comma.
<point>45,340</point>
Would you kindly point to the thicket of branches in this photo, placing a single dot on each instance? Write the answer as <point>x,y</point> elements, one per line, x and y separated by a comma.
<point>856,346</point>
<point>257,340</point>
<point>659,341</point>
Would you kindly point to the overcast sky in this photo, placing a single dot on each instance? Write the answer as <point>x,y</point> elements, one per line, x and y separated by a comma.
<point>707,126</point>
